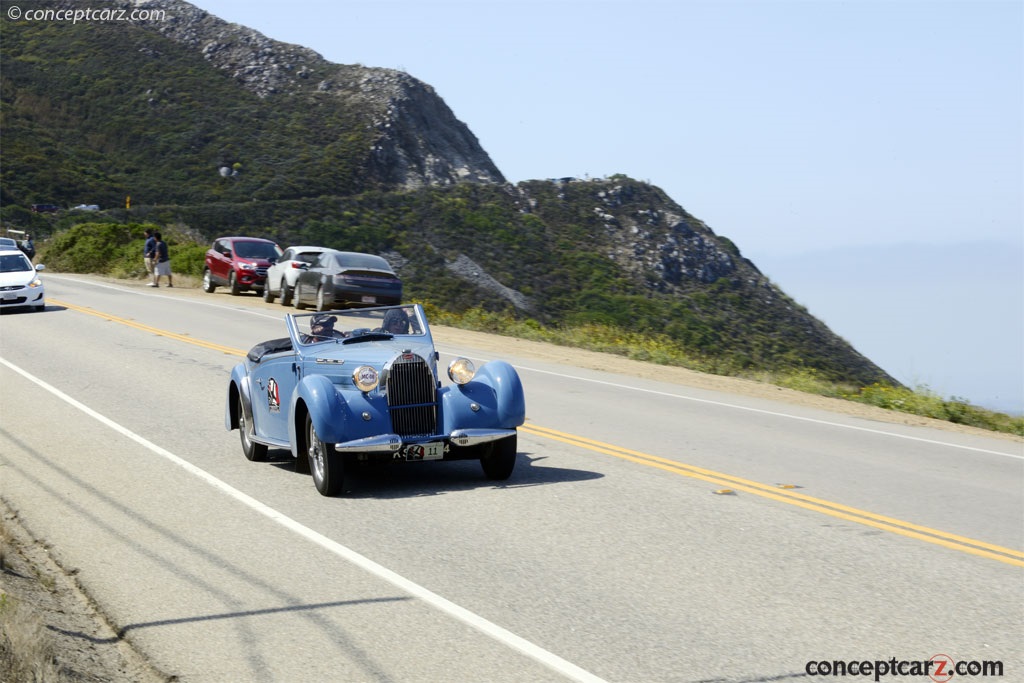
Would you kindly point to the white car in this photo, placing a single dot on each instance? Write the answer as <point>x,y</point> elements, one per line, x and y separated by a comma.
<point>19,281</point>
<point>281,275</point>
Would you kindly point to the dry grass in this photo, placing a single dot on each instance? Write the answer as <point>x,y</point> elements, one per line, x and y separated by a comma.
<point>27,652</point>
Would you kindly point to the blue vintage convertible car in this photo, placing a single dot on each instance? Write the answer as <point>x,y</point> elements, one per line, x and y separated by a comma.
<point>362,385</point>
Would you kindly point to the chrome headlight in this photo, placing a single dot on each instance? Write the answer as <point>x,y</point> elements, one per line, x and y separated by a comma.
<point>365,377</point>
<point>247,266</point>
<point>461,370</point>
<point>35,283</point>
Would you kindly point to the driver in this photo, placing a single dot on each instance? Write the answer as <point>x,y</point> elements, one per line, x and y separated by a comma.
<point>322,327</point>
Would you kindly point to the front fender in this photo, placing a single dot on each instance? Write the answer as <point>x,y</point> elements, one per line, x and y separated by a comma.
<point>337,415</point>
<point>497,392</point>
<point>322,402</point>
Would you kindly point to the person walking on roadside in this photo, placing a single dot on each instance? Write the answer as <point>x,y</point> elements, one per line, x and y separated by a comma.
<point>162,265</point>
<point>149,255</point>
<point>28,247</point>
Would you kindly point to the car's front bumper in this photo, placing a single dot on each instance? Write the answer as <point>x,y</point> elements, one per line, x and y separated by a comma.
<point>397,446</point>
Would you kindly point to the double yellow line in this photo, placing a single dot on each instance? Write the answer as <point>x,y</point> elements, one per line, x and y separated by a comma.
<point>152,330</point>
<point>780,493</point>
<point>784,494</point>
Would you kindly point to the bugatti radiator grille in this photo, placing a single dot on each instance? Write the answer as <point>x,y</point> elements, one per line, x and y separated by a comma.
<point>412,397</point>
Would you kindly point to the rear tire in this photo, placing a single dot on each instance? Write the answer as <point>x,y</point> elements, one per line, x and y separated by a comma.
<point>252,450</point>
<point>286,294</point>
<point>208,285</point>
<point>499,458</point>
<point>326,464</point>
<point>321,305</point>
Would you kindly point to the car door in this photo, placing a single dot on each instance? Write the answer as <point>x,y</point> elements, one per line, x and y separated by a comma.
<point>272,382</point>
<point>221,262</point>
<point>309,279</point>
<point>276,272</point>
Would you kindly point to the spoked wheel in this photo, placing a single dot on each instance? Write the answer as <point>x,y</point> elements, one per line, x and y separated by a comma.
<point>251,449</point>
<point>326,464</point>
<point>499,458</point>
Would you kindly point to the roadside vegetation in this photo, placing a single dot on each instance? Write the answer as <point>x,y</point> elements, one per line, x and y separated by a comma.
<point>27,652</point>
<point>114,249</point>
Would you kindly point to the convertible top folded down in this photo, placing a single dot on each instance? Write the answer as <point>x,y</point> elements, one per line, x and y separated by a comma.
<point>262,349</point>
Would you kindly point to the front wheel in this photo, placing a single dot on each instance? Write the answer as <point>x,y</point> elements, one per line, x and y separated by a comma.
<point>321,303</point>
<point>233,284</point>
<point>326,464</point>
<point>499,458</point>
<point>208,285</point>
<point>268,294</point>
<point>252,450</point>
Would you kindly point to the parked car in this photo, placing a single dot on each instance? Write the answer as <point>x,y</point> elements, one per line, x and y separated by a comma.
<point>87,207</point>
<point>45,208</point>
<point>239,263</point>
<point>7,243</point>
<point>282,275</point>
<point>19,281</point>
<point>347,278</point>
<point>361,385</point>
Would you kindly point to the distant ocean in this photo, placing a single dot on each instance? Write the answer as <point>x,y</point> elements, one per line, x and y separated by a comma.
<point>949,317</point>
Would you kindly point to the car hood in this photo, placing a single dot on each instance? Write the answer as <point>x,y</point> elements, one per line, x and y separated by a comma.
<point>21,277</point>
<point>262,262</point>
<point>375,353</point>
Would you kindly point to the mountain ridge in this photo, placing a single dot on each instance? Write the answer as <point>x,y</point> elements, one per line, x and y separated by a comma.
<point>214,127</point>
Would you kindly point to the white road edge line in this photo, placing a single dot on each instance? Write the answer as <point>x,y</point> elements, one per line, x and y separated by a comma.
<point>472,620</point>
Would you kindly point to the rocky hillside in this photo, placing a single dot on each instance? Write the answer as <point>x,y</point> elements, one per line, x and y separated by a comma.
<point>416,138</point>
<point>214,128</point>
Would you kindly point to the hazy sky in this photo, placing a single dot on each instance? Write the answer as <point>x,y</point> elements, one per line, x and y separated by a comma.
<point>789,127</point>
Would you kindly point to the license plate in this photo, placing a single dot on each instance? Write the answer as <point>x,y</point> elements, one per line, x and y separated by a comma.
<point>10,296</point>
<point>424,451</point>
<point>367,299</point>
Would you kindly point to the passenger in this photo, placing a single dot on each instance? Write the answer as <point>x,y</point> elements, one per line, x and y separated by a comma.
<point>396,322</point>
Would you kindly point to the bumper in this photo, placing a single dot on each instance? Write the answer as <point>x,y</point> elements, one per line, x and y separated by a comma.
<point>395,446</point>
<point>23,297</point>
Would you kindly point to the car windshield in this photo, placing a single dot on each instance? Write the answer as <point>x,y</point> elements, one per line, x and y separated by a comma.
<point>360,324</point>
<point>362,261</point>
<point>307,256</point>
<point>257,250</point>
<point>14,263</point>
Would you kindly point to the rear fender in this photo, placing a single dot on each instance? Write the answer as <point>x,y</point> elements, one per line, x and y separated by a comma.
<point>239,385</point>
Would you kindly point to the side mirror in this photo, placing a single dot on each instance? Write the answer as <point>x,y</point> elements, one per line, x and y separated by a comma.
<point>40,267</point>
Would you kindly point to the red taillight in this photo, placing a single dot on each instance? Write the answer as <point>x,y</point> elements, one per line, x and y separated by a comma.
<point>295,264</point>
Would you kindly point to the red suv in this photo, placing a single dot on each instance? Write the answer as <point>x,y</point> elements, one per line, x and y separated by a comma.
<point>239,263</point>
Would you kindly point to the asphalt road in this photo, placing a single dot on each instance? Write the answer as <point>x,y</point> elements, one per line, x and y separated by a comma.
<point>651,532</point>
